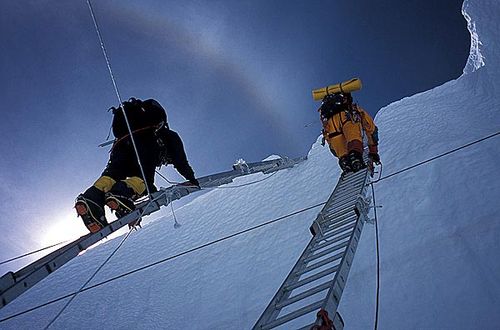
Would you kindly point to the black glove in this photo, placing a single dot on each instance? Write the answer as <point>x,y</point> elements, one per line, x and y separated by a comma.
<point>374,157</point>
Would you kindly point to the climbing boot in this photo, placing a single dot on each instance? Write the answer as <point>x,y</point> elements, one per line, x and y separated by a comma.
<point>89,206</point>
<point>120,199</point>
<point>345,164</point>
<point>356,159</point>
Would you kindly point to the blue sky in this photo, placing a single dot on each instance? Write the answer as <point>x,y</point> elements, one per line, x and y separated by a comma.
<point>235,78</point>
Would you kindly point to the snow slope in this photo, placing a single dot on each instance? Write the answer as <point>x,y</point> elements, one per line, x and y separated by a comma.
<point>439,229</point>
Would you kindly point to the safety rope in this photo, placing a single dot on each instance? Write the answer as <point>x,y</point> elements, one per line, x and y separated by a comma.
<point>377,299</point>
<point>103,264</point>
<point>205,245</point>
<point>438,156</point>
<point>106,57</point>
<point>88,281</point>
<point>32,252</point>
<point>377,257</point>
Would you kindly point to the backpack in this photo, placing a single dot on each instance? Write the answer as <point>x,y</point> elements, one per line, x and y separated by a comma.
<point>148,114</point>
<point>335,103</point>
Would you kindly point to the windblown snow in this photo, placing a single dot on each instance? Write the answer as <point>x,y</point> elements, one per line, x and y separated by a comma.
<point>439,229</point>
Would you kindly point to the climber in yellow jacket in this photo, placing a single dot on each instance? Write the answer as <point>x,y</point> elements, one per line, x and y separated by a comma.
<point>343,125</point>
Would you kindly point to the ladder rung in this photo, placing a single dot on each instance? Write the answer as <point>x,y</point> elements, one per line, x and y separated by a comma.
<point>296,314</point>
<point>321,263</point>
<point>346,186</point>
<point>341,212</point>
<point>326,231</point>
<point>347,192</point>
<point>311,278</point>
<point>336,224</point>
<point>354,187</point>
<point>328,251</point>
<point>336,204</point>
<point>348,178</point>
<point>338,231</point>
<point>334,220</point>
<point>329,223</point>
<point>330,242</point>
<point>305,294</point>
<point>349,186</point>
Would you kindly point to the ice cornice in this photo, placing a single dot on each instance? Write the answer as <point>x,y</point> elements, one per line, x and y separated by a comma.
<point>476,58</point>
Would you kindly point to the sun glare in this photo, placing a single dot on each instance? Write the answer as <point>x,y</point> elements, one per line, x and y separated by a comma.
<point>63,226</point>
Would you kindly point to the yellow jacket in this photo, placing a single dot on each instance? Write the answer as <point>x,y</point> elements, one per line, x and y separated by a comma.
<point>350,124</point>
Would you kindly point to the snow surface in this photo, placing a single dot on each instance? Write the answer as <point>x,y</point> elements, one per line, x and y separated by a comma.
<point>439,229</point>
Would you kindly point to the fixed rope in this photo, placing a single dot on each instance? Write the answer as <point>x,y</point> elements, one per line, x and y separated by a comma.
<point>73,296</point>
<point>88,281</point>
<point>202,246</point>
<point>377,299</point>
<point>438,156</point>
<point>32,252</point>
<point>108,63</point>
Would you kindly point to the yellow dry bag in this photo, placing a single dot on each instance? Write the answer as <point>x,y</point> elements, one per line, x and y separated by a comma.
<point>344,87</point>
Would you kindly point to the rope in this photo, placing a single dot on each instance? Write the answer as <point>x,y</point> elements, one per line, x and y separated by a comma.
<point>378,259</point>
<point>176,224</point>
<point>32,252</point>
<point>106,57</point>
<point>165,260</point>
<point>438,156</point>
<point>88,281</point>
<point>100,267</point>
<point>377,302</point>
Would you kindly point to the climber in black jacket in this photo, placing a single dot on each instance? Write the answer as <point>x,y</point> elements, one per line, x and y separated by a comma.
<point>122,181</point>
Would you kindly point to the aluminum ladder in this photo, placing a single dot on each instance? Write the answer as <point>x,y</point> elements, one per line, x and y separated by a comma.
<point>317,280</point>
<point>13,284</point>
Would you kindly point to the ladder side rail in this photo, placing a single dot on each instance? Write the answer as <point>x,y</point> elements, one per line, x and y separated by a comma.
<point>270,313</point>
<point>62,257</point>
<point>14,284</point>
<point>266,167</point>
<point>49,257</point>
<point>357,182</point>
<point>65,254</point>
<point>322,216</point>
<point>334,295</point>
<point>17,276</point>
<point>42,261</point>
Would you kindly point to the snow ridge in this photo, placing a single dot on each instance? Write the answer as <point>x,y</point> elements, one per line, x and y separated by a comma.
<point>475,60</point>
